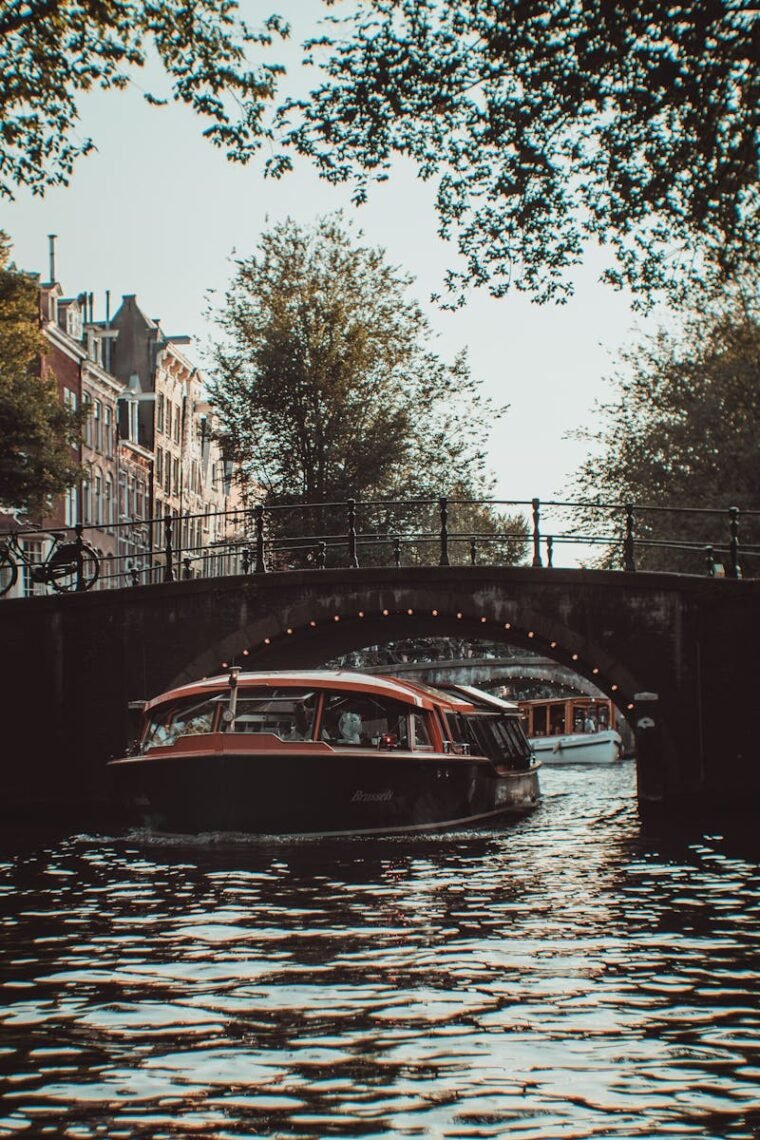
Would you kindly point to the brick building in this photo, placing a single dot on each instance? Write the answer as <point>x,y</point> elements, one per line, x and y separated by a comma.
<point>146,447</point>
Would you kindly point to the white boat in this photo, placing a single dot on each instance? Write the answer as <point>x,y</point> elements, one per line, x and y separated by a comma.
<point>576,730</point>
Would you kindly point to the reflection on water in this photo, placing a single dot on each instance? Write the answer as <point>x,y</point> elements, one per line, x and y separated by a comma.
<point>568,975</point>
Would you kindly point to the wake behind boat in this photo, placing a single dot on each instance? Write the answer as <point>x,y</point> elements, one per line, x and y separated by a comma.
<point>324,752</point>
<point>578,730</point>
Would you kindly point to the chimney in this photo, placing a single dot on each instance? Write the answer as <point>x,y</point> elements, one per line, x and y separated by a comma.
<point>51,240</point>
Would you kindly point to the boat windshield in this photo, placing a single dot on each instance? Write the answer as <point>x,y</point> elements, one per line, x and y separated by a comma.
<point>286,713</point>
<point>501,738</point>
<point>187,717</point>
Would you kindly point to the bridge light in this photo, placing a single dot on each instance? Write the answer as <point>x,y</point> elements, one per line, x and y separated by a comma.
<point>267,641</point>
<point>507,624</point>
<point>361,613</point>
<point>313,624</point>
<point>575,657</point>
<point>434,613</point>
<point>336,617</point>
<point>629,707</point>
<point>595,670</point>
<point>246,652</point>
<point>410,612</point>
<point>553,645</point>
<point>288,630</point>
<point>385,613</point>
<point>614,688</point>
<point>531,633</point>
<point>224,664</point>
<point>459,616</point>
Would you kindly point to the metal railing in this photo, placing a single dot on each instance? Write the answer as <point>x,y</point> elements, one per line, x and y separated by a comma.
<point>349,533</point>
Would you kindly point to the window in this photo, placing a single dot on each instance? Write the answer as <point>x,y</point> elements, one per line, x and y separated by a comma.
<point>159,465</point>
<point>108,431</point>
<point>87,409</point>
<point>369,722</point>
<point>139,497</point>
<point>160,413</point>
<point>70,511</point>
<point>97,502</point>
<point>97,426</point>
<point>175,475</point>
<point>191,717</point>
<point>69,399</point>
<point>134,421</point>
<point>286,713</point>
<point>421,733</point>
<point>168,417</point>
<point>167,475</point>
<point>108,503</point>
<point>33,549</point>
<point>122,507</point>
<point>177,424</point>
<point>86,502</point>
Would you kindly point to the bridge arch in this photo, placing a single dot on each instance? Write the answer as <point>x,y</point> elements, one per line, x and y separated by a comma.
<point>306,634</point>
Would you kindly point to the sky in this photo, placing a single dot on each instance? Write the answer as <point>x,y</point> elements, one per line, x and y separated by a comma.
<point>158,212</point>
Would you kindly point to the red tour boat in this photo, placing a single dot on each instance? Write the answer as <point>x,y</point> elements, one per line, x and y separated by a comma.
<point>324,753</point>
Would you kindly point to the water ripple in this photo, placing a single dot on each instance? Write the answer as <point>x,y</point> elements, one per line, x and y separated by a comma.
<point>574,974</point>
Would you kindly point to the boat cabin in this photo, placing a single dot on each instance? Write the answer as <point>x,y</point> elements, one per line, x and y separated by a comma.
<point>341,710</point>
<point>567,716</point>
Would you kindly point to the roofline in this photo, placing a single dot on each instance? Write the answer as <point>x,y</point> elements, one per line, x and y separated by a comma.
<point>321,679</point>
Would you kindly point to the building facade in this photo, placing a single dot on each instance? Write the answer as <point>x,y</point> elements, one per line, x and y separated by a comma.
<point>154,476</point>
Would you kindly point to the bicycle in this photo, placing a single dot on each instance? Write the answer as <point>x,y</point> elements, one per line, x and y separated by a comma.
<point>68,565</point>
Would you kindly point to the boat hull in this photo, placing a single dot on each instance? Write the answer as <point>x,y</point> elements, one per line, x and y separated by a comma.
<point>335,794</point>
<point>578,748</point>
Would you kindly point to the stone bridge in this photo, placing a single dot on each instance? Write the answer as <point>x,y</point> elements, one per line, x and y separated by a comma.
<point>676,653</point>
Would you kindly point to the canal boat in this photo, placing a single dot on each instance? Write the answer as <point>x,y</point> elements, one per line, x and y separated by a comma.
<point>324,752</point>
<point>573,730</point>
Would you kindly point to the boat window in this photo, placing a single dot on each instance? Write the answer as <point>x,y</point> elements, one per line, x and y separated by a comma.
<point>557,718</point>
<point>190,717</point>
<point>421,732</point>
<point>286,713</point>
<point>364,721</point>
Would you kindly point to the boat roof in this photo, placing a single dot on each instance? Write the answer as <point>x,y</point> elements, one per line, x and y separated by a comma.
<point>409,692</point>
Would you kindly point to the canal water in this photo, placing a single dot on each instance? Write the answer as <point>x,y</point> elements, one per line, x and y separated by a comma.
<point>574,974</point>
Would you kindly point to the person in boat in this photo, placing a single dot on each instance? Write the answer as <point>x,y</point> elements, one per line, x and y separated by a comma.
<point>350,728</point>
<point>589,724</point>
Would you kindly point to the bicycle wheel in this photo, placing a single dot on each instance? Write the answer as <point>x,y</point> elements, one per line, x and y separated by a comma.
<point>60,570</point>
<point>8,571</point>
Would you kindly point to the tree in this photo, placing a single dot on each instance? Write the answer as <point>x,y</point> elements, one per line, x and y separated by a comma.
<point>681,431</point>
<point>551,125</point>
<point>327,387</point>
<point>53,50</point>
<point>36,459</point>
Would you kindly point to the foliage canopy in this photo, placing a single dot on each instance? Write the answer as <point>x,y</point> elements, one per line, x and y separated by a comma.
<point>551,125</point>
<point>53,50</point>
<point>326,383</point>
<point>37,460</point>
<point>681,430</point>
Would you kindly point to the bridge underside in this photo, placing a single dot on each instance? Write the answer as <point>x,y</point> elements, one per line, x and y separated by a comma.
<point>72,663</point>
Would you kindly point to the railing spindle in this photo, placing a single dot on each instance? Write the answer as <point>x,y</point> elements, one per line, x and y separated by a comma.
<point>260,564</point>
<point>536,505</point>
<point>443,506</point>
<point>733,545</point>
<point>629,560</point>
<point>353,559</point>
<point>168,550</point>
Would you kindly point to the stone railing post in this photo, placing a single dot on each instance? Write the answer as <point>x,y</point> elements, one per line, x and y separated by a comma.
<point>536,505</point>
